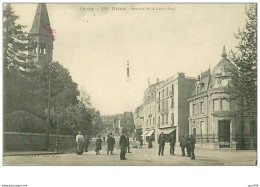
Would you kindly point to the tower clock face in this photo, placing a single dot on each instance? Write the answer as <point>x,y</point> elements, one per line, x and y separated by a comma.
<point>224,82</point>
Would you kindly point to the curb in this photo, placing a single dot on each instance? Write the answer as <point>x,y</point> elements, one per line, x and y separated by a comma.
<point>30,154</point>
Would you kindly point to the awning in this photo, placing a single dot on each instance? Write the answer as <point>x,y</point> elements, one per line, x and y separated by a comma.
<point>144,133</point>
<point>150,133</point>
<point>167,131</point>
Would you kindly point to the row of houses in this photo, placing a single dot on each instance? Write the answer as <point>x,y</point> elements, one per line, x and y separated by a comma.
<point>203,106</point>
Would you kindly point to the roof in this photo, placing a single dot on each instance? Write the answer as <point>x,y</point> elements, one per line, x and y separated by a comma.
<point>41,23</point>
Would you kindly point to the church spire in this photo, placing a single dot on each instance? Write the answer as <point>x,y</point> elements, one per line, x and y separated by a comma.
<point>41,37</point>
<point>41,23</point>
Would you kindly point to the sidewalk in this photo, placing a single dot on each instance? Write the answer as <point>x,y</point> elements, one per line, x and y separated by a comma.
<point>21,153</point>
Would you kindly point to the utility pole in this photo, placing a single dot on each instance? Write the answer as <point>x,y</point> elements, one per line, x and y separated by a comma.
<point>49,108</point>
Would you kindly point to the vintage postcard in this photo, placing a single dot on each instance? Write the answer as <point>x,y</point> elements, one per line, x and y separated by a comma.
<point>156,84</point>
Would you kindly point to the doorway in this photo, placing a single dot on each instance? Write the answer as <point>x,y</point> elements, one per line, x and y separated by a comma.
<point>224,133</point>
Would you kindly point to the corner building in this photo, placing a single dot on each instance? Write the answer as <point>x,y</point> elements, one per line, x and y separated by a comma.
<point>214,114</point>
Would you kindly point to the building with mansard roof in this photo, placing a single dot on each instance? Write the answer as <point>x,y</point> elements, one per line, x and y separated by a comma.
<point>214,112</point>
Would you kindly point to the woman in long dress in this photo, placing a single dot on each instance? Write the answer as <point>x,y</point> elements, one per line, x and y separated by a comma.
<point>80,143</point>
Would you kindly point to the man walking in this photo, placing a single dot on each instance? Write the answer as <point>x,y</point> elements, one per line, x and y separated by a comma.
<point>161,142</point>
<point>112,144</point>
<point>128,144</point>
<point>172,144</point>
<point>86,142</point>
<point>123,144</point>
<point>192,146</point>
<point>187,141</point>
<point>109,144</point>
<point>98,145</point>
<point>183,145</point>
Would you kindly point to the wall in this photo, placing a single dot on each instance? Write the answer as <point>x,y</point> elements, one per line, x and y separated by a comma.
<point>15,141</point>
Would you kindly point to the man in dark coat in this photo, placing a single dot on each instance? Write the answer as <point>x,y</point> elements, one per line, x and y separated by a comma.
<point>128,144</point>
<point>113,141</point>
<point>150,145</point>
<point>187,140</point>
<point>183,145</point>
<point>110,144</point>
<point>98,145</point>
<point>86,142</point>
<point>192,146</point>
<point>172,144</point>
<point>123,145</point>
<point>161,143</point>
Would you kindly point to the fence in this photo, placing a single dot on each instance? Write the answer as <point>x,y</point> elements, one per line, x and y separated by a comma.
<point>16,141</point>
<point>242,142</point>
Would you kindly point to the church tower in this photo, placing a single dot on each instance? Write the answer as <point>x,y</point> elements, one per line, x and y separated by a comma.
<point>41,37</point>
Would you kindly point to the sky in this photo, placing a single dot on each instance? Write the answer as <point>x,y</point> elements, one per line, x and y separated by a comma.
<point>158,40</point>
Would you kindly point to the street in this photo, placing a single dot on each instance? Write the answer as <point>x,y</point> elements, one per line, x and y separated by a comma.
<point>140,157</point>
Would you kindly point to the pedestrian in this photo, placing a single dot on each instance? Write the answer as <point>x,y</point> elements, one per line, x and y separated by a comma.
<point>104,139</point>
<point>192,146</point>
<point>161,142</point>
<point>172,141</point>
<point>141,143</point>
<point>183,145</point>
<point>109,143</point>
<point>86,142</point>
<point>128,144</point>
<point>98,145</point>
<point>123,144</point>
<point>150,144</point>
<point>80,143</point>
<point>112,144</point>
<point>187,140</point>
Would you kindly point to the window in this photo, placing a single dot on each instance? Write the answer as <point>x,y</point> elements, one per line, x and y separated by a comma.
<point>166,120</point>
<point>163,106</point>
<point>225,104</point>
<point>194,131</point>
<point>166,105</point>
<point>194,109</point>
<point>159,121</point>
<point>172,119</point>
<point>172,103</point>
<point>167,91</point>
<point>159,107</point>
<point>162,119</point>
<point>163,93</point>
<point>216,105</point>
<point>159,96</point>
<point>150,122</point>
<point>201,108</point>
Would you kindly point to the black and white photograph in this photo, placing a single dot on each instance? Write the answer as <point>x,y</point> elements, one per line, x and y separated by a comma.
<point>129,84</point>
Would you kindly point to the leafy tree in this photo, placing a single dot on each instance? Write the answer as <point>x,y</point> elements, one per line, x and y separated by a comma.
<point>14,42</point>
<point>245,60</point>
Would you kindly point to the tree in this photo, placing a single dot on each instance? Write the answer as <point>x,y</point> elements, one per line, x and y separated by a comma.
<point>245,60</point>
<point>15,42</point>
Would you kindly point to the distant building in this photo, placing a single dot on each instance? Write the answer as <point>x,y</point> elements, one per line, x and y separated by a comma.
<point>214,113</point>
<point>172,108</point>
<point>149,125</point>
<point>139,122</point>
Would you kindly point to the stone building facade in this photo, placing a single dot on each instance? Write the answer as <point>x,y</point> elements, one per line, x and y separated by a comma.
<point>172,108</point>
<point>214,112</point>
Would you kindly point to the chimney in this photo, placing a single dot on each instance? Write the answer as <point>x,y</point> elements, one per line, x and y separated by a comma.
<point>157,80</point>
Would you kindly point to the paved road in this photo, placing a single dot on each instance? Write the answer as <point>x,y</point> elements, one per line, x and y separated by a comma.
<point>143,157</point>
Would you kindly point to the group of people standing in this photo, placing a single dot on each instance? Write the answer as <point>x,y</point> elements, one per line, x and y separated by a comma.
<point>161,142</point>
<point>83,142</point>
<point>188,142</point>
